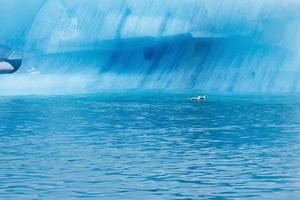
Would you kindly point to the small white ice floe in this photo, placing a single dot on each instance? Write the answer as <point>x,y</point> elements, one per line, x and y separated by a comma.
<point>9,66</point>
<point>33,71</point>
<point>199,98</point>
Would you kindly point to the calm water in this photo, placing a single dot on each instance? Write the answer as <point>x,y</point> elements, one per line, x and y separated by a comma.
<point>149,146</point>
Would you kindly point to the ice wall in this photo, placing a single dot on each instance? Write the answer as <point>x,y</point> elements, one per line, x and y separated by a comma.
<point>210,45</point>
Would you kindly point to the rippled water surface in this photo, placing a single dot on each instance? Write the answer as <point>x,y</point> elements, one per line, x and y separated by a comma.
<point>149,146</point>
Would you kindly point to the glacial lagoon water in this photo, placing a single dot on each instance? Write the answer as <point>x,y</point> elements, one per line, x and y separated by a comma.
<point>149,145</point>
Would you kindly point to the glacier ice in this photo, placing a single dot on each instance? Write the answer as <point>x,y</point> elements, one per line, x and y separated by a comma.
<point>212,45</point>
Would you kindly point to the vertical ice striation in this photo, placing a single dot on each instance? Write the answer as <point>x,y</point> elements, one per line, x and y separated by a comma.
<point>201,44</point>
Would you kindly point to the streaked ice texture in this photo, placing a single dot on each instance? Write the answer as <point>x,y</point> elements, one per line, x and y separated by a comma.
<point>212,45</point>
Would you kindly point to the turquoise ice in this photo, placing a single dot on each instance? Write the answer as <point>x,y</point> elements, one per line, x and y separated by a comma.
<point>246,46</point>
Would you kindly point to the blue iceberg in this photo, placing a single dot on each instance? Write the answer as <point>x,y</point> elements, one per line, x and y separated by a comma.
<point>211,45</point>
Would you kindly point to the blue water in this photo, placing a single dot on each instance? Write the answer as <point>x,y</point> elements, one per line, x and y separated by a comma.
<point>149,145</point>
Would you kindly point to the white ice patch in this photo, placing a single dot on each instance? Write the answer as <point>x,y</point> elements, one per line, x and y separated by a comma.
<point>41,84</point>
<point>5,67</point>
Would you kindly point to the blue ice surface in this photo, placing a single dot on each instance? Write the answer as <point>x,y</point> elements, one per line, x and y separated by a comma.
<point>247,46</point>
<point>149,145</point>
